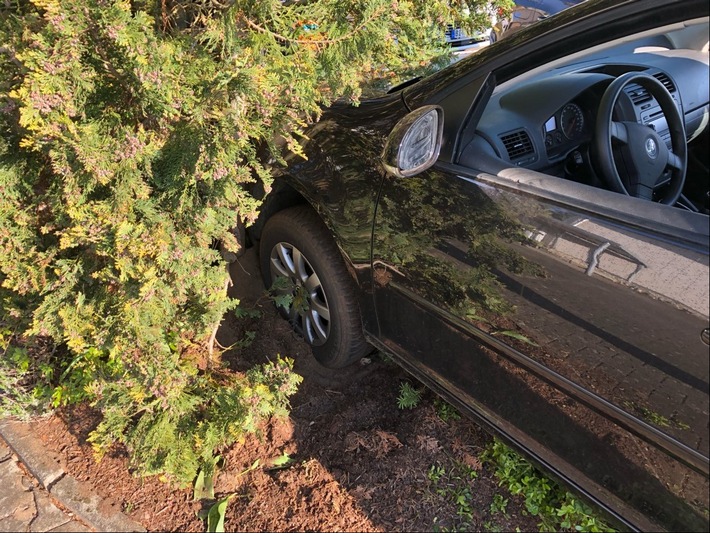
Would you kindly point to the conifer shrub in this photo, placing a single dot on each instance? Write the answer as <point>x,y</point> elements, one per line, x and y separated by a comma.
<point>128,146</point>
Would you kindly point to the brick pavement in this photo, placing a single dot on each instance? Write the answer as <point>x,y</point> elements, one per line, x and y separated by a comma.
<point>37,495</point>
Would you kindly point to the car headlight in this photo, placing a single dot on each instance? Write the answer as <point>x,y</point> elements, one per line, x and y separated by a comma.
<point>414,143</point>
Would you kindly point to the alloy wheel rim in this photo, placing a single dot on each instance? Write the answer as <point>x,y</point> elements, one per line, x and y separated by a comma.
<point>308,312</point>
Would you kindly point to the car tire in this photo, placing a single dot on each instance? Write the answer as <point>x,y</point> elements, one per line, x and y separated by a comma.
<point>296,245</point>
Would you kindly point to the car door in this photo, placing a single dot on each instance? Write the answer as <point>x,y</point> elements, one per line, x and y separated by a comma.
<point>580,336</point>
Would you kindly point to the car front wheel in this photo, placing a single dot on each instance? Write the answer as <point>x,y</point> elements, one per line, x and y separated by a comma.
<point>304,270</point>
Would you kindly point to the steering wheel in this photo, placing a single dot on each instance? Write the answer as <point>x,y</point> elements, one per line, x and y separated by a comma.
<point>643,156</point>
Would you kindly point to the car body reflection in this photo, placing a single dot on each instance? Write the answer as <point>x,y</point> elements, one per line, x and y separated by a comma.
<point>594,328</point>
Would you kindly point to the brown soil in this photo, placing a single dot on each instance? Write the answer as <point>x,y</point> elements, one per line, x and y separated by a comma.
<point>358,462</point>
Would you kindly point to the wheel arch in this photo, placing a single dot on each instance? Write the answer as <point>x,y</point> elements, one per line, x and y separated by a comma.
<point>282,196</point>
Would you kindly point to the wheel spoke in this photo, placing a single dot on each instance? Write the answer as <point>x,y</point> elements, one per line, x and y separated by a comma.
<point>318,327</point>
<point>308,330</point>
<point>618,131</point>
<point>320,308</point>
<point>286,260</point>
<point>278,269</point>
<point>299,265</point>
<point>312,284</point>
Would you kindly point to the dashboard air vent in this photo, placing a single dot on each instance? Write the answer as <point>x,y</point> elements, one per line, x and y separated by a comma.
<point>517,144</point>
<point>639,95</point>
<point>665,80</point>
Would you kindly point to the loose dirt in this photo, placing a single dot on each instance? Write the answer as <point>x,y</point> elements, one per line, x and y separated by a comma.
<point>357,461</point>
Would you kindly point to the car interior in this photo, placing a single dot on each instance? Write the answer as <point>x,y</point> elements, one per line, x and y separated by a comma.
<point>560,127</point>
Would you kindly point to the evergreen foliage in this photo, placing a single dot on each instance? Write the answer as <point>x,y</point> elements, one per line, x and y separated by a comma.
<point>129,135</point>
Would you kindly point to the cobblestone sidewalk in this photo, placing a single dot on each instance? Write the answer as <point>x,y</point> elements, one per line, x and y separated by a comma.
<point>37,495</point>
<point>26,506</point>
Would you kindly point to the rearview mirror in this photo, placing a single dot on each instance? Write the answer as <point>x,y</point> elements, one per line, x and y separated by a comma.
<point>413,144</point>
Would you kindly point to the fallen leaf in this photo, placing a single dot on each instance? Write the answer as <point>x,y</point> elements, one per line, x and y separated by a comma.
<point>387,442</point>
<point>471,461</point>
<point>428,444</point>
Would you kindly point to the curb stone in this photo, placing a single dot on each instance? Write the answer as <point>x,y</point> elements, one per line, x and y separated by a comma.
<point>77,497</point>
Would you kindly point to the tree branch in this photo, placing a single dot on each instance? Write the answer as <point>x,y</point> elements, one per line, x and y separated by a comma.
<point>213,337</point>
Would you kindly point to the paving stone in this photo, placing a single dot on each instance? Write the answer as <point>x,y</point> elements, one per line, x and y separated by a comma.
<point>49,516</point>
<point>17,504</point>
<point>25,506</point>
<point>87,506</point>
<point>5,452</point>
<point>71,526</point>
<point>43,466</point>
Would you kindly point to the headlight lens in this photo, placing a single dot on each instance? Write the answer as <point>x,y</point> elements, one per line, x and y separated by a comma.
<point>420,143</point>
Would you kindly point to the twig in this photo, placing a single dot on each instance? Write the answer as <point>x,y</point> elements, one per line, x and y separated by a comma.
<point>219,345</point>
<point>242,267</point>
<point>213,337</point>
<point>13,58</point>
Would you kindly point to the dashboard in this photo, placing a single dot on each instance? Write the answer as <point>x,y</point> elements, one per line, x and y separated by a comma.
<point>547,122</point>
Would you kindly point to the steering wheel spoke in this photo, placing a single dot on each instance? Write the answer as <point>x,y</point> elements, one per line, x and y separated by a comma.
<point>642,191</point>
<point>618,132</point>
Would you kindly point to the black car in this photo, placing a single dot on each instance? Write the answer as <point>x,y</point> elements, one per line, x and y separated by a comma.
<point>527,232</point>
<point>525,13</point>
<point>462,44</point>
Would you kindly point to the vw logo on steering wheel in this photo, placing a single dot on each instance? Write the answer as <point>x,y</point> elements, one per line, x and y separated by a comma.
<point>651,148</point>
